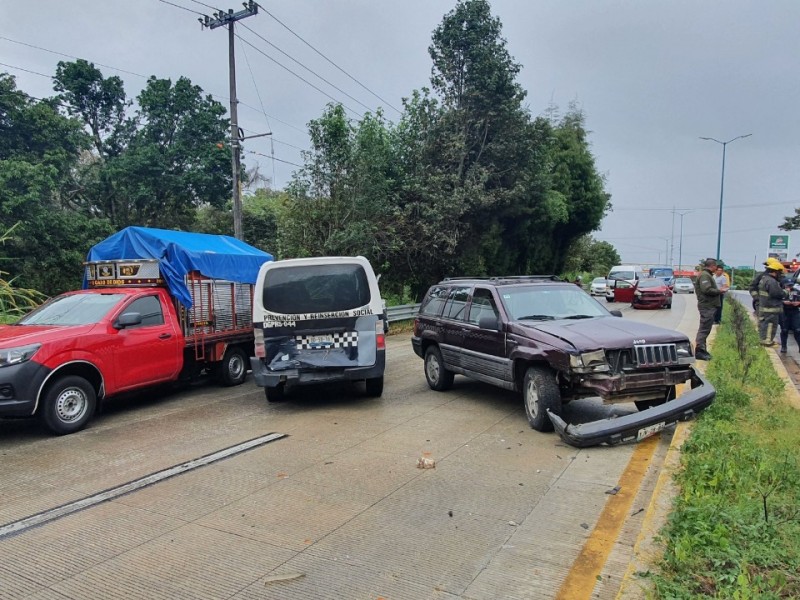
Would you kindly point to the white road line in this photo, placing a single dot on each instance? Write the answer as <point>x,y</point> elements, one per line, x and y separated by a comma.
<point>131,486</point>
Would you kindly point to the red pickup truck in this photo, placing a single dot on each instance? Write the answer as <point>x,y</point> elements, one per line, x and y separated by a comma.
<point>127,331</point>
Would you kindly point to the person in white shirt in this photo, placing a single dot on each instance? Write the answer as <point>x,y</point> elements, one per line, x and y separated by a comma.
<point>722,283</point>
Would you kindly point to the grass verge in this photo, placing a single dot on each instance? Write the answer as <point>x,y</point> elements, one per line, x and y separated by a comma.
<point>734,531</point>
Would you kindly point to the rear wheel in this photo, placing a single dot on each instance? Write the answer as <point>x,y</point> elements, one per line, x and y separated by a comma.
<point>439,378</point>
<point>233,369</point>
<point>375,386</point>
<point>68,405</point>
<point>540,394</point>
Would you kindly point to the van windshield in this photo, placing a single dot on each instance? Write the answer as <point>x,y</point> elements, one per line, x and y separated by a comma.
<point>623,275</point>
<point>315,289</point>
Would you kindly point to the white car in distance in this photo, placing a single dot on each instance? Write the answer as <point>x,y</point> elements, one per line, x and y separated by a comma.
<point>683,285</point>
<point>598,286</point>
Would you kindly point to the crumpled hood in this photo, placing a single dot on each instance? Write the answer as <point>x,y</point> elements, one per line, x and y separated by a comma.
<point>606,332</point>
<point>12,336</point>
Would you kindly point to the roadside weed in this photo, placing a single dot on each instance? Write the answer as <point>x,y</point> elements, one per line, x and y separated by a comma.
<point>735,527</point>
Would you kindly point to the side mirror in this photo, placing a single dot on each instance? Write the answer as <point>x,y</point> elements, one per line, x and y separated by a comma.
<point>128,320</point>
<point>616,313</point>
<point>489,322</point>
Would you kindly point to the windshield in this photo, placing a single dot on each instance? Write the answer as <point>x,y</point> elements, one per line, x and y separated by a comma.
<point>75,309</point>
<point>661,272</point>
<point>623,275</point>
<point>651,283</point>
<point>683,280</point>
<point>539,303</point>
<point>599,280</point>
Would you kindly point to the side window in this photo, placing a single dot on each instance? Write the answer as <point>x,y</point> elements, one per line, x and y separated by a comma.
<point>150,309</point>
<point>433,302</point>
<point>482,305</point>
<point>456,303</point>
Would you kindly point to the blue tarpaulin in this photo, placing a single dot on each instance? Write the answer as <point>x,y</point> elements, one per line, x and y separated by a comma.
<point>180,252</point>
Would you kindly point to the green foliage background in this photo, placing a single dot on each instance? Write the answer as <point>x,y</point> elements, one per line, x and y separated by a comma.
<point>466,182</point>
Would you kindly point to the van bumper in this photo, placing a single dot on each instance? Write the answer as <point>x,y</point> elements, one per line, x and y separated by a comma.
<point>265,377</point>
<point>19,387</point>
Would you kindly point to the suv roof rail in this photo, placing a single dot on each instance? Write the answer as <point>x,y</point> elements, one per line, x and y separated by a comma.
<point>509,278</point>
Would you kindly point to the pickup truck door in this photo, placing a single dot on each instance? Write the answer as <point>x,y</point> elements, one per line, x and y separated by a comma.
<point>150,352</point>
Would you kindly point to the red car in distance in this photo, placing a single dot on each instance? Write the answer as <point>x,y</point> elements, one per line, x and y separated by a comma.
<point>651,293</point>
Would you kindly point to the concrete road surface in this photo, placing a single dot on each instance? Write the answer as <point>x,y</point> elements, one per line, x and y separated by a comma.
<point>337,508</point>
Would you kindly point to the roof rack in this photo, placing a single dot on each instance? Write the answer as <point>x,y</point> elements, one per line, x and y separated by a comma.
<point>507,278</point>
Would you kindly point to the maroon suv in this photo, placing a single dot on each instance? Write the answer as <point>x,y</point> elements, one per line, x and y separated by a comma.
<point>553,342</point>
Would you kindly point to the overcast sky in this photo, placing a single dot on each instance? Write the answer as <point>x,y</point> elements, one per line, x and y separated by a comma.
<point>651,77</point>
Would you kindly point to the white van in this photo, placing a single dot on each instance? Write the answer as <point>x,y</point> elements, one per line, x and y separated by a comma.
<point>318,320</point>
<point>629,273</point>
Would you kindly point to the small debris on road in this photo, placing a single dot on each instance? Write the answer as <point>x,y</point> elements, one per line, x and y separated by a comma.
<point>585,525</point>
<point>613,491</point>
<point>423,462</point>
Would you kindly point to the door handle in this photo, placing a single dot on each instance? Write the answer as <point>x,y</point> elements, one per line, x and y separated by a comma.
<point>165,336</point>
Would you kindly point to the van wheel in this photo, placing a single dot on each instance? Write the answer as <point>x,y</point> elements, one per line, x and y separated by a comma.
<point>540,393</point>
<point>375,387</point>
<point>439,378</point>
<point>233,368</point>
<point>275,394</point>
<point>68,405</point>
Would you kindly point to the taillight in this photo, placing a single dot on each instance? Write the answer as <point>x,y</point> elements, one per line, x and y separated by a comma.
<point>380,337</point>
<point>258,334</point>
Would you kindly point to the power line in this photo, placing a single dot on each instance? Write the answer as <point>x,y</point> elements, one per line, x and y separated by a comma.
<point>324,93</point>
<point>206,5</point>
<point>182,7</point>
<point>338,89</point>
<point>218,96</point>
<point>714,208</point>
<point>274,158</point>
<point>328,59</point>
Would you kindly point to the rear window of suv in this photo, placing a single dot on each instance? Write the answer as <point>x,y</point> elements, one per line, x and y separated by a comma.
<point>316,288</point>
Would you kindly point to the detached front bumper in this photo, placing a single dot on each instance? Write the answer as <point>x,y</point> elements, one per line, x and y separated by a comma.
<point>638,426</point>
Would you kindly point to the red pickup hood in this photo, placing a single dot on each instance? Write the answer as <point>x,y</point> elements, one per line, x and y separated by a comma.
<point>20,335</point>
<point>607,332</point>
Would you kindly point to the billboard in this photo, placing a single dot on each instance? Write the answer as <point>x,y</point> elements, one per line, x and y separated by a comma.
<point>779,242</point>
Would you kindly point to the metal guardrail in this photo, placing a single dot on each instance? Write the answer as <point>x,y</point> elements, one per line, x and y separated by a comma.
<point>401,313</point>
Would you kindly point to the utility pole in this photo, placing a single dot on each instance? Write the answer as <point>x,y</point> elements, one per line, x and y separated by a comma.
<point>220,19</point>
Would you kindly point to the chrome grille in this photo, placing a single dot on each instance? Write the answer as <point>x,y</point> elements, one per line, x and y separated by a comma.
<point>655,355</point>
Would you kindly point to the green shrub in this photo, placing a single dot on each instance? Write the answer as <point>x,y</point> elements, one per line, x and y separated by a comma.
<point>735,528</point>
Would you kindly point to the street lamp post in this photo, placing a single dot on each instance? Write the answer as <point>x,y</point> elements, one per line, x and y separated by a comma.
<point>722,182</point>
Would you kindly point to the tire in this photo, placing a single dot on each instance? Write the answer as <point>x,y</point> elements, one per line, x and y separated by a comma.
<point>645,404</point>
<point>439,378</point>
<point>69,404</point>
<point>233,367</point>
<point>275,394</point>
<point>669,306</point>
<point>540,394</point>
<point>609,299</point>
<point>375,387</point>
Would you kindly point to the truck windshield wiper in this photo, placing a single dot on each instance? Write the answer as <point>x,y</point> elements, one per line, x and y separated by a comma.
<point>536,318</point>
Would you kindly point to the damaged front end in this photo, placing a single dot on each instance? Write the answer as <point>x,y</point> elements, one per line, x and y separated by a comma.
<point>640,425</point>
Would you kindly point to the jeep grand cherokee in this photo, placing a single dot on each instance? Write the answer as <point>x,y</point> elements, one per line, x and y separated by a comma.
<point>554,343</point>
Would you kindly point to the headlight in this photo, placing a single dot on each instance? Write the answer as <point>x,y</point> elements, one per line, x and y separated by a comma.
<point>15,356</point>
<point>589,362</point>
<point>683,349</point>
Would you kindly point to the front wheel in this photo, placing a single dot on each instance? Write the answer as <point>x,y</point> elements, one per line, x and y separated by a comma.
<point>540,393</point>
<point>68,405</point>
<point>375,387</point>
<point>233,368</point>
<point>439,378</point>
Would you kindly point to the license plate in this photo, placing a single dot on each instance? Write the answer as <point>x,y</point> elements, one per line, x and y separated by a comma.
<point>319,340</point>
<point>646,432</point>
